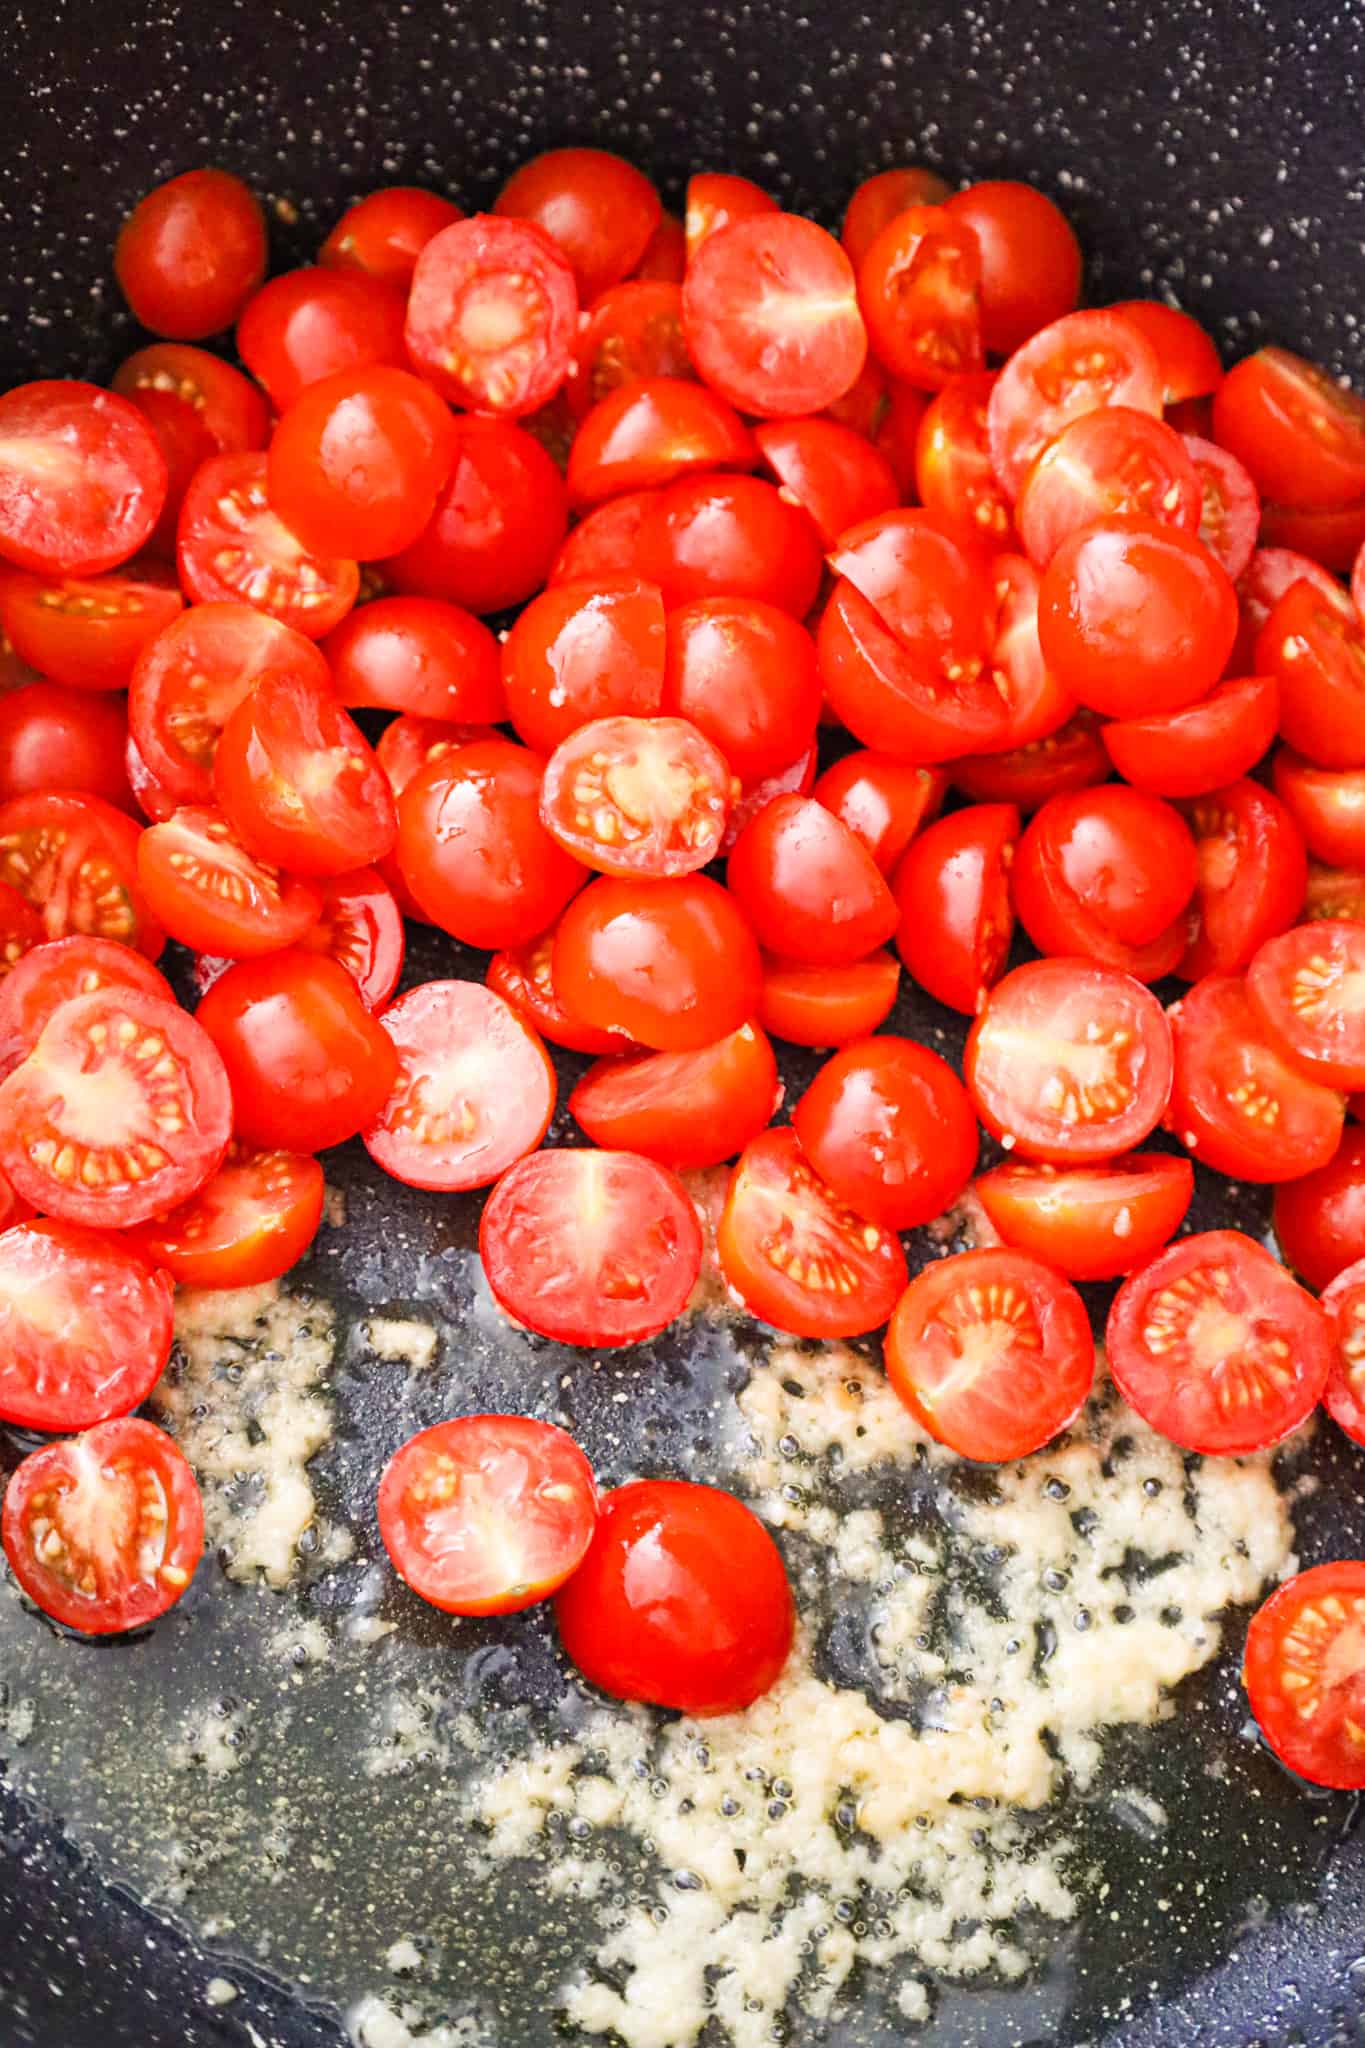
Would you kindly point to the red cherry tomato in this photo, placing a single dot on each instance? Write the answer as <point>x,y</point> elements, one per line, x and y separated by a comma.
<point>1332,537</point>
<point>1358,583</point>
<point>384,233</point>
<point>298,782</point>
<point>1190,365</point>
<point>1304,1672</point>
<point>825,1006</point>
<point>74,859</point>
<point>1327,805</point>
<point>1069,1061</point>
<point>1074,365</point>
<point>1202,748</point>
<point>475,1089</point>
<point>233,546</point>
<point>673,964</point>
<point>1231,514</point>
<point>185,445</point>
<point>715,199</point>
<point>1316,647</point>
<point>880,198</point>
<point>315,323</point>
<point>250,1223</point>
<point>798,1257</point>
<point>1073,757</point>
<point>1252,875</point>
<point>665,257</point>
<point>104,1531</point>
<point>919,286</point>
<point>55,738</point>
<point>85,1326</point>
<point>830,471</point>
<point>592,1248</point>
<point>1110,856</point>
<point>361,926</point>
<point>744,673</point>
<point>120,1111</point>
<point>1236,1102</point>
<point>605,542</point>
<point>1309,986</point>
<point>682,1600</point>
<point>770,312</point>
<point>1334,892</point>
<point>952,470</point>
<point>991,1352</point>
<point>190,254</point>
<point>82,479</point>
<point>1091,1222</point>
<point>209,892</point>
<point>150,797</point>
<point>1216,1347</point>
<point>882,800</point>
<point>524,978</point>
<point>685,1109</point>
<point>473,851</point>
<point>730,536</point>
<point>1030,259</point>
<point>1264,581</point>
<point>1297,431</point>
<point>899,411</point>
<point>1320,1217</point>
<point>797,777</point>
<point>498,524</point>
<point>638,796</point>
<point>418,655</point>
<point>1344,1304</point>
<point>809,888</point>
<point>493,314</point>
<point>229,409</point>
<point>49,975</point>
<point>308,1064</point>
<point>953,893</point>
<point>653,431</point>
<point>633,331</point>
<point>358,461</point>
<point>1034,702</point>
<point>583,651</point>
<point>406,746</point>
<point>21,930</point>
<point>597,208</point>
<point>87,631</point>
<point>887,1125</point>
<point>487,1514</point>
<point>1113,463</point>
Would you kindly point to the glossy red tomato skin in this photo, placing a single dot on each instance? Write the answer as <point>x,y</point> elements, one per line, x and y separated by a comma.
<point>809,888</point>
<point>919,286</point>
<point>882,799</point>
<point>825,1006</point>
<point>103,478</point>
<point>229,408</point>
<point>1190,364</point>
<point>1320,1217</point>
<point>652,432</point>
<point>952,891</point>
<point>1231,516</point>
<point>383,234</point>
<point>928,704</point>
<point>233,548</point>
<point>605,542</point>
<point>1305,984</point>
<point>838,477</point>
<point>715,199</point>
<point>74,859</point>
<point>252,1221</point>
<point>358,461</point>
<point>770,312</point>
<point>1331,538</point>
<point>887,1124</point>
<point>1030,259</point>
<point>475,1088</point>
<point>87,631</point>
<point>597,208</point>
<point>1236,1102</point>
<point>1101,582</point>
<point>1264,581</point>
<point>1042,1362</point>
<point>582,651</point>
<point>1344,1304</point>
<point>1302,1673</point>
<point>1128,860</point>
<point>52,737</point>
<point>744,673</point>
<point>730,536</point>
<point>903,560</point>
<point>473,851</point>
<point>498,524</point>
<point>1072,366</point>
<point>953,476</point>
<point>492,315</point>
<point>671,963</point>
<point>1253,872</point>
<point>1266,1345</point>
<point>443,1488</point>
<point>308,1064</point>
<point>54,973</point>
<point>1327,805</point>
<point>1071,758</point>
<point>638,796</point>
<point>190,254</point>
<point>878,199</point>
<point>361,926</point>
<point>1316,647</point>
<point>1202,748</point>
<point>685,1109</point>
<point>1112,463</point>
<point>312,323</point>
<point>1300,435</point>
<point>93,1460</point>
<point>212,895</point>
<point>665,257</point>
<point>184,443</point>
<point>113,1339</point>
<point>682,1600</point>
<point>1090,1222</point>
<point>523,976</point>
<point>418,655</point>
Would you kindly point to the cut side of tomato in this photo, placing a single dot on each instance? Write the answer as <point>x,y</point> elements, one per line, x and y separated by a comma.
<point>880,198</point>
<point>1264,581</point>
<point>953,475</point>
<point>919,286</point>
<point>523,976</point>
<point>1252,875</point>
<point>770,312</point>
<point>1073,366</point>
<point>1073,757</point>
<point>651,432</point>
<point>1327,805</point>
<point>232,411</point>
<point>210,893</point>
<point>493,314</point>
<point>1309,987</point>
<point>55,973</point>
<point>408,744</point>
<point>1091,1222</point>
<point>1237,1103</point>
<point>1107,463</point>
<point>252,1221</point>
<point>827,1005</point>
<point>21,929</point>
<point>1316,647</point>
<point>1230,515</point>
<point>796,779</point>
<point>1304,1672</point>
<point>234,548</point>
<point>82,479</point>
<point>85,1326</point>
<point>361,926</point>
<point>953,894</point>
<point>87,631</point>
<point>1344,1304</point>
<point>638,796</point>
<point>685,1109</point>
<point>930,703</point>
<point>74,859</point>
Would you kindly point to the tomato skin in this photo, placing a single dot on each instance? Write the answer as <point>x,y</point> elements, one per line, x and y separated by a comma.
<point>190,254</point>
<point>87,631</point>
<point>887,1124</point>
<point>1327,805</point>
<point>1298,433</point>
<point>1030,259</point>
<point>475,1088</point>
<point>1236,1101</point>
<point>1305,984</point>
<point>809,888</point>
<point>211,894</point>
<point>900,563</point>
<point>358,461</point>
<point>1202,748</point>
<point>953,476</point>
<point>52,737</point>
<point>651,432</point>
<point>441,1489</point>
<point>1190,363</point>
<point>798,776</point>
<point>597,208</point>
<point>86,1468</point>
<point>1072,366</point>
<point>1320,1217</point>
<point>313,323</point>
<point>771,316</point>
<point>473,851</point>
<point>418,655</point>
<point>1091,1222</point>
<point>233,547</point>
<point>682,1600</point>
<point>582,651</point>
<point>744,673</point>
<point>952,893</point>
<point>1253,872</point>
<point>498,524</point>
<point>185,444</point>
<point>1302,1673</point>
<point>730,536</point>
<point>1114,854</point>
<point>383,234</point>
<point>252,1221</point>
<point>919,286</point>
<point>665,257</point>
<point>94,493</point>
<point>1262,1347</point>
<point>605,542</point>
<point>114,1338</point>
<point>827,1005</point>
<point>229,409</point>
<point>671,963</point>
<point>638,796</point>
<point>1264,581</point>
<point>831,471</point>
<point>54,973</point>
<point>361,926</point>
<point>685,1109</point>
<point>1071,758</point>
<point>1111,463</point>
<point>1317,650</point>
<point>523,976</point>
<point>1024,1335</point>
<point>1231,516</point>
<point>1344,1304</point>
<point>883,801</point>
<point>308,1065</point>
<point>1331,538</point>
<point>74,858</point>
<point>492,315</point>
<point>928,703</point>
<point>880,198</point>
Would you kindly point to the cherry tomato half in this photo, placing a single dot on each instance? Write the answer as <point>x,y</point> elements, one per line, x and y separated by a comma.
<point>1231,514</point>
<point>887,1125</point>
<point>638,796</point>
<point>831,471</point>
<point>1304,1672</point>
<point>1091,1222</point>
<point>919,287</point>
<point>685,1109</point>
<point>882,800</point>
<point>880,198</point>
<point>383,234</point>
<point>827,1005</point>
<point>55,738</point>
<point>252,1221</point>
<point>74,858</point>
<point>597,208</point>
<point>82,478</point>
<point>1316,647</point>
<point>1190,365</point>
<point>85,1326</point>
<point>1320,1217</point>
<point>498,524</point>
<point>492,315</point>
<point>523,976</point>
<point>744,672</point>
<point>730,536</point>
<point>1344,1304</point>
<point>953,474</point>
<point>672,963</point>
<point>54,973</point>
<point>1030,258</point>
<point>191,253</point>
<point>308,324</point>
<point>809,888</point>
<point>953,894</point>
<point>1309,987</point>
<point>361,926</point>
<point>770,312</point>
<point>233,546</point>
<point>358,461</point>
<point>1201,748</point>
<point>1297,431</point>
<point>1252,875</point>
<point>1236,1101</point>
<point>210,893</point>
<point>87,631</point>
<point>1074,365</point>
<point>1112,463</point>
<point>582,651</point>
<point>1110,858</point>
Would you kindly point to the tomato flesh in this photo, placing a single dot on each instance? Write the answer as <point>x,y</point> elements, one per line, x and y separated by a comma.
<point>770,312</point>
<point>360,925</point>
<point>82,479</point>
<point>1252,875</point>
<point>492,315</point>
<point>523,976</point>
<point>1344,1303</point>
<point>1073,366</point>
<point>210,893</point>
<point>1309,987</point>
<point>1237,1103</point>
<point>87,631</point>
<point>56,972</point>
<point>85,1326</point>
<point>74,859</point>
<point>234,547</point>
<point>1304,1672</point>
<point>1091,1222</point>
<point>252,1221</point>
<point>952,892</point>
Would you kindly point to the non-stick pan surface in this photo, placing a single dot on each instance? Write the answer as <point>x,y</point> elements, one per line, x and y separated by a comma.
<point>1213,152</point>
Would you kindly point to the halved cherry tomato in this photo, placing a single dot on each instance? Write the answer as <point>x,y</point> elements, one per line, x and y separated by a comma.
<point>809,888</point>
<point>1073,757</point>
<point>234,546</point>
<point>919,287</point>
<point>191,253</point>
<point>1073,366</point>
<point>251,1222</point>
<point>54,973</point>
<point>1035,703</point>
<point>1320,1217</point>
<point>715,199</point>
<point>498,524</point>
<point>878,200</point>
<point>953,893</point>
<point>487,1514</point>
<point>583,651</point>
<point>953,474</point>
<point>1344,1304</point>
<point>1112,463</point>
<point>1297,431</point>
<point>827,1005</point>
<point>1309,986</point>
<point>230,409</point>
<point>1252,875</point>
<point>1202,748</point>
<point>358,461</point>
<point>682,1600</point>
<point>493,314</point>
<point>85,1326</point>
<point>1190,364</point>
<point>1091,1222</point>
<point>991,1352</point>
<point>52,737</point>
<point>900,411</point>
<point>882,799</point>
<point>831,472</point>
<point>798,777</point>
<point>1316,647</point>
<point>1216,1347</point>
<point>74,858</point>
<point>887,1125</point>
<point>672,963</point>
<point>1069,1061</point>
<point>524,978</point>
<point>1334,892</point>
<point>312,323</point>
<point>21,930</point>
<point>653,431</point>
<point>151,798</point>
<point>87,631</point>
<point>209,892</point>
<point>638,796</point>
<point>405,747</point>
<point>308,1064</point>
<point>592,1248</point>
<point>797,1255</point>
<point>730,536</point>
<point>605,543</point>
<point>633,331</point>
<point>1332,538</point>
<point>598,209</point>
<point>473,851</point>
<point>1112,856</point>
<point>383,234</point>
<point>743,672</point>
<point>1264,581</point>
<point>474,1093</point>
<point>185,444</point>
<point>82,479</point>
<point>1030,259</point>
<point>665,257</point>
<point>1327,805</point>
<point>121,1110</point>
<point>1304,1671</point>
<point>1231,514</point>
<point>104,1530</point>
<point>684,1109</point>
<point>417,655</point>
<point>1236,1102</point>
<point>361,926</point>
